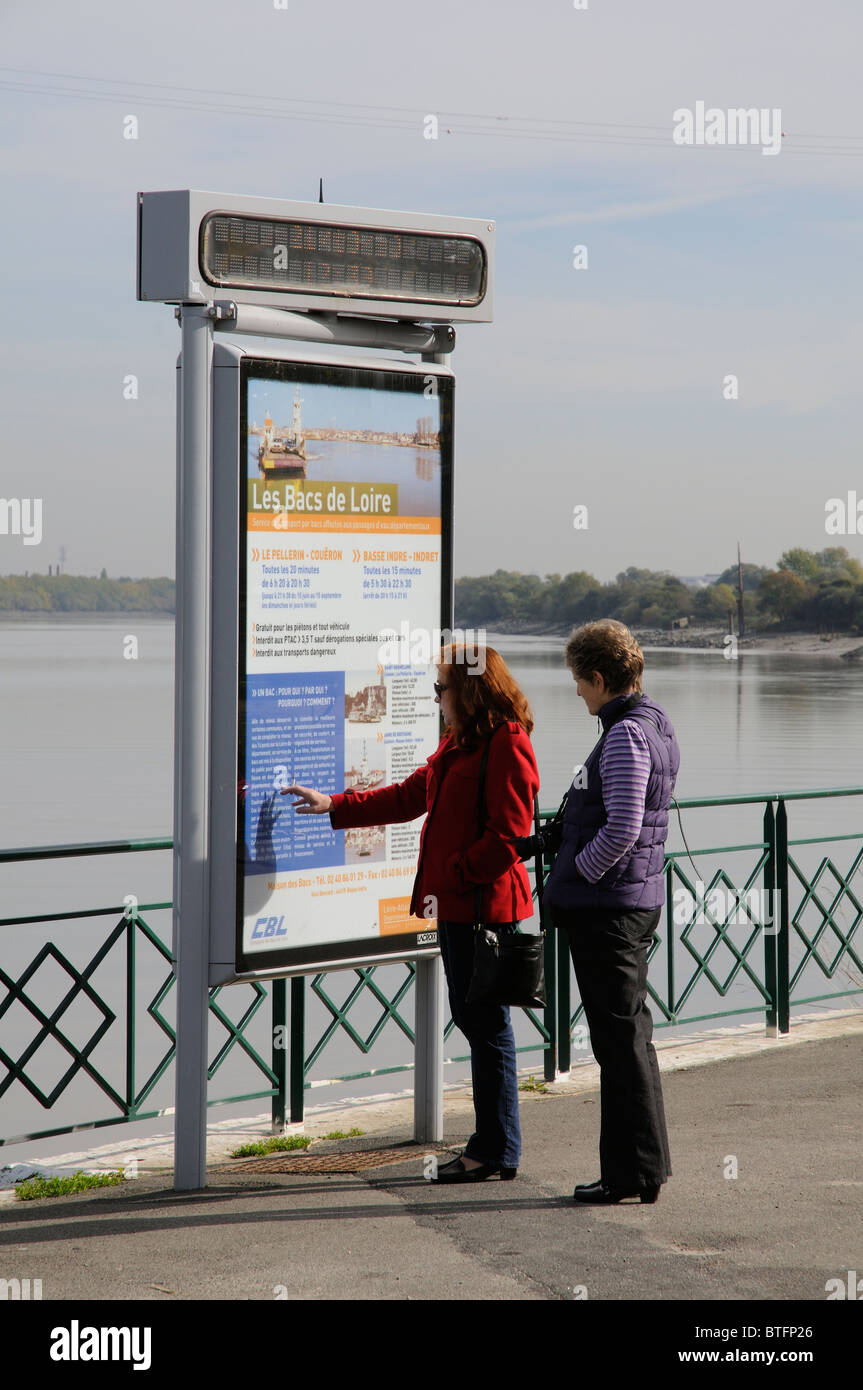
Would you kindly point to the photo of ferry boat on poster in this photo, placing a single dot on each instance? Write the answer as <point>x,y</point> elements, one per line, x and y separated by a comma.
<point>343,509</point>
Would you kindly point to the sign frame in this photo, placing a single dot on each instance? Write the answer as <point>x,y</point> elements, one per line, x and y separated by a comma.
<point>232,365</point>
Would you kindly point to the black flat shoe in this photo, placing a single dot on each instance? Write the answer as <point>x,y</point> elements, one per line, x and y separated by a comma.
<point>597,1194</point>
<point>456,1172</point>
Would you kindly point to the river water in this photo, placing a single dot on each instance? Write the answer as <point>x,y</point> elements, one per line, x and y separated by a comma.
<point>88,756</point>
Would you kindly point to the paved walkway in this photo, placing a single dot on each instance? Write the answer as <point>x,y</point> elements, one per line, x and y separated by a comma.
<point>786,1115</point>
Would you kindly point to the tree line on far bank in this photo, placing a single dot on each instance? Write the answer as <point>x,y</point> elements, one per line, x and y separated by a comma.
<point>821,591</point>
<point>69,593</point>
<point>817,590</point>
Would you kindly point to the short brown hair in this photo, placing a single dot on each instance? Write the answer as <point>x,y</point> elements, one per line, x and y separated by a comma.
<point>484,692</point>
<point>609,648</point>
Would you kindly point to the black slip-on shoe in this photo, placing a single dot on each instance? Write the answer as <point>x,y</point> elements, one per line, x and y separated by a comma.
<point>456,1172</point>
<point>597,1194</point>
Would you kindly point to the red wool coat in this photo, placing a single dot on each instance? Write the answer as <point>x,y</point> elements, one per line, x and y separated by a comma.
<point>453,858</point>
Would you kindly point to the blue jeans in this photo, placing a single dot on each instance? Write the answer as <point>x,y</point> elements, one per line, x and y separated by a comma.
<point>497,1138</point>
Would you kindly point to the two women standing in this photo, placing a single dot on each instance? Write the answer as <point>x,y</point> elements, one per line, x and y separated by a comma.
<point>605,889</point>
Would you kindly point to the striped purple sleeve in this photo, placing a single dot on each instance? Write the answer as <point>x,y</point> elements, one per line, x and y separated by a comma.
<point>624,766</point>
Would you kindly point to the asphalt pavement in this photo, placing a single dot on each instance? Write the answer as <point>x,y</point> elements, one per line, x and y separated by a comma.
<point>766,1202</point>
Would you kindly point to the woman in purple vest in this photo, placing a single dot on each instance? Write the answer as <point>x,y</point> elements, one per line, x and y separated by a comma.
<point>606,889</point>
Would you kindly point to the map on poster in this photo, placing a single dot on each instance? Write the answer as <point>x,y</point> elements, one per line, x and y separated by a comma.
<point>343,541</point>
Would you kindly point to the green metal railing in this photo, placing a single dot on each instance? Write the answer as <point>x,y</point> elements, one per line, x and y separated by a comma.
<point>755,942</point>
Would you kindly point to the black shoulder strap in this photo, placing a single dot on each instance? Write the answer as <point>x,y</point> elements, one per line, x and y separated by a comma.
<point>477,893</point>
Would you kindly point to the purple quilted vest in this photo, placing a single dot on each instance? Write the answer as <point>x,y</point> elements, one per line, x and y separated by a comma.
<point>637,879</point>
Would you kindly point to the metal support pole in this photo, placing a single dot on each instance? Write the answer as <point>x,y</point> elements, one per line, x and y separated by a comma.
<point>191,743</point>
<point>428,1051</point>
<point>429,991</point>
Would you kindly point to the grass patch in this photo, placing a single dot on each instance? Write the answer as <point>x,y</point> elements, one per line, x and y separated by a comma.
<point>340,1134</point>
<point>532,1085</point>
<point>33,1188</point>
<point>279,1143</point>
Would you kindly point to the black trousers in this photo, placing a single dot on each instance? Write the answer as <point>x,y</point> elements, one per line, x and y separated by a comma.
<point>609,951</point>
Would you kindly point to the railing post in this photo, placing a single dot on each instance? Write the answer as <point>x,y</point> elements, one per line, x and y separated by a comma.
<point>769,835</point>
<point>280,1053</point>
<point>782,974</point>
<point>298,1048</point>
<point>550,955</point>
<point>671,940</point>
<point>130,1014</point>
<point>564,1007</point>
<point>550,1010</point>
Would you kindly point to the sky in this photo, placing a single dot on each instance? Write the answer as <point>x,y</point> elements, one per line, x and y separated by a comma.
<point>603,384</point>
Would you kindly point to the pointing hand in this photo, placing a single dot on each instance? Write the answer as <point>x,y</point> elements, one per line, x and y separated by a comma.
<point>312,803</point>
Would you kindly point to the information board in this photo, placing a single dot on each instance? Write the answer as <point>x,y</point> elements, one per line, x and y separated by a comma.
<point>344,584</point>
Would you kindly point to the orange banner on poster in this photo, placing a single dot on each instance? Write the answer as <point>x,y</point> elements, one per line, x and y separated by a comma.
<point>394,917</point>
<point>282,523</point>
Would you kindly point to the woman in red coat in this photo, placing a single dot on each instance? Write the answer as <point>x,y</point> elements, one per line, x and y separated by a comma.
<point>480,707</point>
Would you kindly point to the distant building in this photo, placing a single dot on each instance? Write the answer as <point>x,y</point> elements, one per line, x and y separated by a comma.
<point>698,581</point>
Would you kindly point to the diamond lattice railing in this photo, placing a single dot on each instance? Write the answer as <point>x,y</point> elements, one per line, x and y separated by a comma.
<point>366,984</point>
<point>718,928</point>
<point>720,945</point>
<point>50,1026</point>
<point>828,928</point>
<point>125,935</point>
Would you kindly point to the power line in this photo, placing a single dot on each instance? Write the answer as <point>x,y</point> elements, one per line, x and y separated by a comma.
<point>395,118</point>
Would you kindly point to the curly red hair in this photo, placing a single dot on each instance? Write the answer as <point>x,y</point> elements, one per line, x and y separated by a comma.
<point>484,692</point>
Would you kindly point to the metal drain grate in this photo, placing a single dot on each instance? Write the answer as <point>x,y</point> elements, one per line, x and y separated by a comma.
<point>335,1163</point>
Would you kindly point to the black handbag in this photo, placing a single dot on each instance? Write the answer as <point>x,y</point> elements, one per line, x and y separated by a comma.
<point>508,968</point>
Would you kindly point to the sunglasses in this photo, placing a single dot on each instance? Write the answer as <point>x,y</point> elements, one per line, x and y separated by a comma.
<point>439,689</point>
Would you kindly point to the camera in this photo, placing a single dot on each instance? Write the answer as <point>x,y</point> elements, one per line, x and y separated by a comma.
<point>547,841</point>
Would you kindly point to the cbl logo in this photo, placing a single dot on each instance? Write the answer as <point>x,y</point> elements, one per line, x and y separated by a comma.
<point>269,926</point>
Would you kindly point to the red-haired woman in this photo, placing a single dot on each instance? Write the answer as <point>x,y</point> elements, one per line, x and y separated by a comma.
<point>482,707</point>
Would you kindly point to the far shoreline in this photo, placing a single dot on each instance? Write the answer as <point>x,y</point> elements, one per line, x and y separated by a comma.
<point>833,645</point>
<point>836,645</point>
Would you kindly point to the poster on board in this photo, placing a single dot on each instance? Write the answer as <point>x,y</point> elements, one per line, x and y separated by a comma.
<point>345,498</point>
